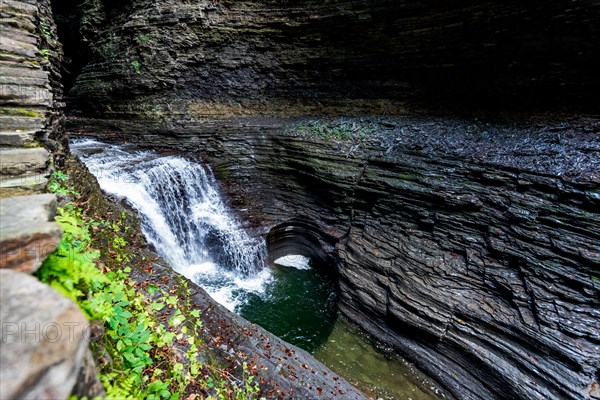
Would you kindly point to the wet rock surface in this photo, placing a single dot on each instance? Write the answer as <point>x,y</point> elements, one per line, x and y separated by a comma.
<point>31,117</point>
<point>28,234</point>
<point>474,255</point>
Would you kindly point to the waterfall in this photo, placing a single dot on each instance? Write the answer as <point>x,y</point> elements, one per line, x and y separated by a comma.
<point>183,216</point>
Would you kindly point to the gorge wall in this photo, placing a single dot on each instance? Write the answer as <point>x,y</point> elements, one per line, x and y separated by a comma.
<point>468,245</point>
<point>278,57</point>
<point>36,360</point>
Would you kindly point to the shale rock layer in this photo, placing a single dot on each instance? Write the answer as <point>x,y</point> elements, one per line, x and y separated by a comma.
<point>280,57</point>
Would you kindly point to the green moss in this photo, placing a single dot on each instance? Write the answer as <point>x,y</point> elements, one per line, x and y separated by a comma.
<point>136,67</point>
<point>21,112</point>
<point>406,177</point>
<point>335,129</point>
<point>222,171</point>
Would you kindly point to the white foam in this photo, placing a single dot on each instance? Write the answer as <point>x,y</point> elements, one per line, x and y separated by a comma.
<point>224,296</point>
<point>183,216</point>
<point>294,261</point>
<point>206,268</point>
<point>255,283</point>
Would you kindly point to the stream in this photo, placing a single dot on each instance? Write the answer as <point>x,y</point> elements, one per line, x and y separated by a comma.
<point>186,220</point>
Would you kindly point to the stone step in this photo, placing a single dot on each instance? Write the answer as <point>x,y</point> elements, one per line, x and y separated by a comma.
<point>25,95</point>
<point>27,236</point>
<point>17,59</point>
<point>19,79</point>
<point>19,34</point>
<point>15,62</point>
<point>23,112</point>
<point>12,46</point>
<point>14,70</point>
<point>21,161</point>
<point>12,123</point>
<point>15,7</point>
<point>22,185</point>
<point>20,22</point>
<point>16,138</point>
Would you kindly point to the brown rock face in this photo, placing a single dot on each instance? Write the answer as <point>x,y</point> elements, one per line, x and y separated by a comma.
<point>28,234</point>
<point>382,56</point>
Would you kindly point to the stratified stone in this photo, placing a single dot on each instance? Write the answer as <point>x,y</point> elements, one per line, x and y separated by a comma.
<point>27,236</point>
<point>22,185</point>
<point>43,339</point>
<point>308,57</point>
<point>16,138</point>
<point>21,161</point>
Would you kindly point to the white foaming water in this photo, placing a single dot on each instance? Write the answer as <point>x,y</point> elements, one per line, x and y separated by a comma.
<point>294,261</point>
<point>183,216</point>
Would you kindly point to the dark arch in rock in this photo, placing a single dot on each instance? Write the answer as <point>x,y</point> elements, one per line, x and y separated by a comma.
<point>302,236</point>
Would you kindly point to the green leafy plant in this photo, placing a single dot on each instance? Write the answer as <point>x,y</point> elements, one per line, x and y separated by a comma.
<point>71,269</point>
<point>59,183</point>
<point>45,30</point>
<point>144,326</point>
<point>137,67</point>
<point>144,38</point>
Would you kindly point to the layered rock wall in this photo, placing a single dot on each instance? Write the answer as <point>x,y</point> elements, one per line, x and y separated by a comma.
<point>43,334</point>
<point>484,273</point>
<point>159,58</point>
<point>471,248</point>
<point>31,116</point>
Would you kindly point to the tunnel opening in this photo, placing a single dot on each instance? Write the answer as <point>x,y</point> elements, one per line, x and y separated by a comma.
<point>301,238</point>
<point>299,246</point>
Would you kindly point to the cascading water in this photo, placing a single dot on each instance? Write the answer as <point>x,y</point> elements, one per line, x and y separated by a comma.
<point>185,219</point>
<point>183,216</point>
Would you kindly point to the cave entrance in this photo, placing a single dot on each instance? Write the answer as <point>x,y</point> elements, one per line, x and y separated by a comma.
<point>299,240</point>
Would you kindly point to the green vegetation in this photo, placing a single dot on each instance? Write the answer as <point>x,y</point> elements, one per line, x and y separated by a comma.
<point>152,344</point>
<point>144,38</point>
<point>45,53</point>
<point>58,182</point>
<point>109,48</point>
<point>336,130</point>
<point>45,30</point>
<point>136,67</point>
<point>21,112</point>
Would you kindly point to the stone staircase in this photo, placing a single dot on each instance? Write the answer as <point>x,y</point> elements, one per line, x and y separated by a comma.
<point>27,103</point>
<point>43,346</point>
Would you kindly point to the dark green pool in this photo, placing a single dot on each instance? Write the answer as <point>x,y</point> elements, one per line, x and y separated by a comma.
<point>298,305</point>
